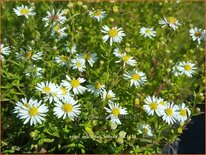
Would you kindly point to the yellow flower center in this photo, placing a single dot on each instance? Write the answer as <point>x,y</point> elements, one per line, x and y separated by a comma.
<point>78,64</point>
<point>145,130</point>
<point>33,111</point>
<point>171,20</point>
<point>97,13</point>
<point>125,58</point>
<point>98,85</point>
<point>153,105</point>
<point>109,96</point>
<point>64,58</point>
<point>67,107</point>
<point>137,102</point>
<point>169,112</point>
<point>57,28</point>
<point>87,56</point>
<point>46,89</point>
<point>24,11</point>
<point>113,33</point>
<point>26,105</point>
<point>197,33</point>
<point>148,31</point>
<point>187,67</point>
<point>135,77</point>
<point>75,83</point>
<point>116,112</point>
<point>28,54</point>
<point>64,90</point>
<point>183,112</point>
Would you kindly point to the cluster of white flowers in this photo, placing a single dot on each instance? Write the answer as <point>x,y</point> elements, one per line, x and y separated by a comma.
<point>184,68</point>
<point>169,112</point>
<point>4,51</point>
<point>62,95</point>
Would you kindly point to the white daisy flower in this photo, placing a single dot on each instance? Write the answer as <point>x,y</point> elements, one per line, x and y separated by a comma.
<point>170,21</point>
<point>46,87</point>
<point>197,34</point>
<point>126,59</point>
<point>96,89</point>
<point>72,50</point>
<point>23,104</point>
<point>63,92</point>
<point>175,71</point>
<point>29,55</point>
<point>145,129</point>
<point>36,71</point>
<point>170,113</point>
<point>74,84</point>
<point>67,107</point>
<point>78,64</point>
<point>34,113</point>
<point>4,50</point>
<point>24,11</point>
<point>147,32</point>
<point>98,14</point>
<point>54,18</point>
<point>117,52</point>
<point>136,78</point>
<point>53,95</point>
<point>186,68</point>
<point>115,34</point>
<point>161,101</point>
<point>59,31</point>
<point>91,58</point>
<point>62,60</point>
<point>183,113</point>
<point>115,111</point>
<point>108,95</point>
<point>152,106</point>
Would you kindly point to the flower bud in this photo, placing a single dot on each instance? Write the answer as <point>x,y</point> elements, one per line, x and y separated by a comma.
<point>101,62</point>
<point>113,126</point>
<point>184,56</point>
<point>120,140</point>
<point>127,44</point>
<point>85,7</point>
<point>197,110</point>
<point>32,42</point>
<point>170,61</point>
<point>137,102</point>
<point>168,51</point>
<point>122,134</point>
<point>179,130</point>
<point>79,28</point>
<point>79,3</point>
<point>115,8</point>
<point>168,70</point>
<point>70,5</point>
<point>54,48</point>
<point>129,137</point>
<point>127,49</point>
<point>111,19</point>
<point>23,26</point>
<point>191,51</point>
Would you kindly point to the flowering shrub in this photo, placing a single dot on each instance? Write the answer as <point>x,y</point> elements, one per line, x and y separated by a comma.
<point>99,77</point>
